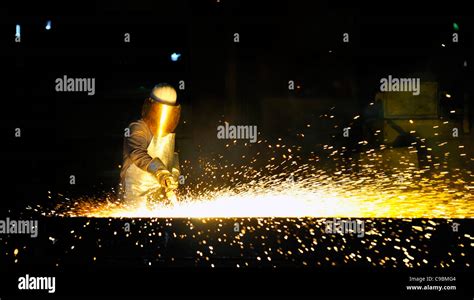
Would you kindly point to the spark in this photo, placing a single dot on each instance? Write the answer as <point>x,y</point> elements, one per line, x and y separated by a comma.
<point>311,192</point>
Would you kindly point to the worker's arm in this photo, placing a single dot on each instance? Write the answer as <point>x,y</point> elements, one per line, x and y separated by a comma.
<point>137,143</point>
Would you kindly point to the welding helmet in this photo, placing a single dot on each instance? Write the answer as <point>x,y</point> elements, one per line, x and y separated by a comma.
<point>161,111</point>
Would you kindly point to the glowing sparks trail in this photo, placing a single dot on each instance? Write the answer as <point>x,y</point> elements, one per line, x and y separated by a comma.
<point>313,196</point>
<point>286,205</point>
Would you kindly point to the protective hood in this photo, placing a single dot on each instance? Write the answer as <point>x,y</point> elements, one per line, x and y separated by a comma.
<point>161,111</point>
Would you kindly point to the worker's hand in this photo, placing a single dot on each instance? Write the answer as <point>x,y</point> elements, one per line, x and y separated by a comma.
<point>171,183</point>
<point>166,180</point>
<point>161,176</point>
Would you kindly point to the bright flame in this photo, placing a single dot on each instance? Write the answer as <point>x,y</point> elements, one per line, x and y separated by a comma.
<point>308,198</point>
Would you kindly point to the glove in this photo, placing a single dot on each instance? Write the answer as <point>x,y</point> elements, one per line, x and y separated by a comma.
<point>166,180</point>
<point>171,183</point>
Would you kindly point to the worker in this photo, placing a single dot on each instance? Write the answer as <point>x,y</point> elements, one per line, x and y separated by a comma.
<point>150,169</point>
